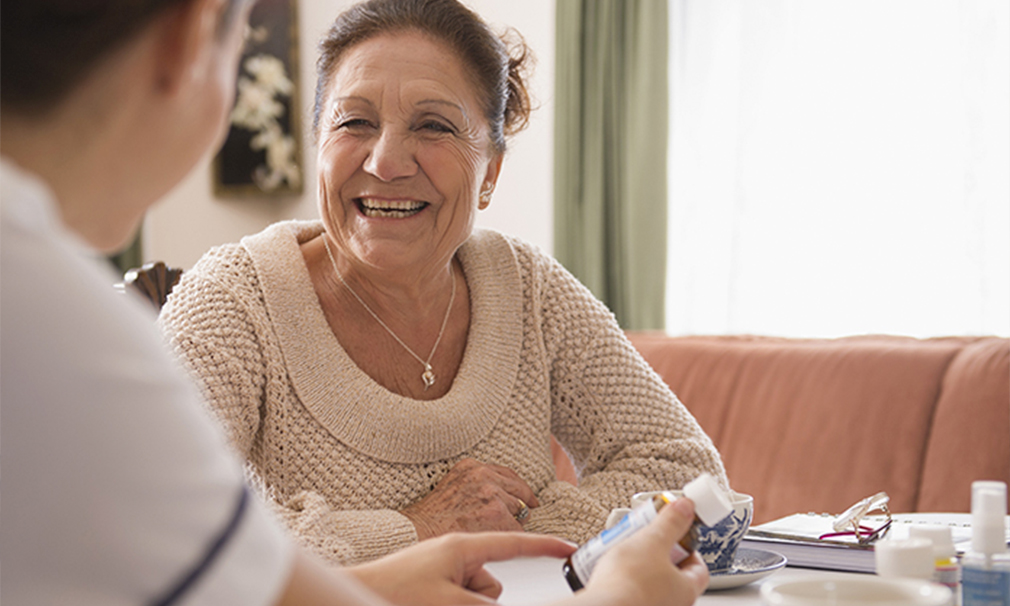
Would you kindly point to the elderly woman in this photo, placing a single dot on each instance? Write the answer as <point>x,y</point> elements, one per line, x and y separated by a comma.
<point>390,373</point>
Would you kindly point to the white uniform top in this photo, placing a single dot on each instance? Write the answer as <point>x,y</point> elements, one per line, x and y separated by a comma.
<point>117,487</point>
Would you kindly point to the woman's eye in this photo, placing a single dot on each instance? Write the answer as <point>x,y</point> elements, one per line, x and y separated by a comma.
<point>353,123</point>
<point>436,126</point>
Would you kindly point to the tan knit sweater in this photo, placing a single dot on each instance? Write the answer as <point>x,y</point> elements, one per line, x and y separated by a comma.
<point>338,455</point>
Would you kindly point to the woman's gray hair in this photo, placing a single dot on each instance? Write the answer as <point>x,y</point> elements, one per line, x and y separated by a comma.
<point>498,67</point>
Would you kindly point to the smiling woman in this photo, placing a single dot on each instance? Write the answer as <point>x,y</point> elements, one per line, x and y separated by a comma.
<point>402,139</point>
<point>391,373</point>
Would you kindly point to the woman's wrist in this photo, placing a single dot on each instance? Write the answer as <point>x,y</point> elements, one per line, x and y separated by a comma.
<point>421,526</point>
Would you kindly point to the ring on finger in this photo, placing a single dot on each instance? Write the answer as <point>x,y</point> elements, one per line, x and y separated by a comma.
<point>524,511</point>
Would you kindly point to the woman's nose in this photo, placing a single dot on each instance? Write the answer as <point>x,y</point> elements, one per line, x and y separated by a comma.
<point>391,158</point>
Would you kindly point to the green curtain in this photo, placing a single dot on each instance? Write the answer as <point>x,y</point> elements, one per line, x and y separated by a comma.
<point>130,257</point>
<point>610,152</point>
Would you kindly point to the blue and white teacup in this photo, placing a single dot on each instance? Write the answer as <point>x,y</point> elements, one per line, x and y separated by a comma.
<point>717,544</point>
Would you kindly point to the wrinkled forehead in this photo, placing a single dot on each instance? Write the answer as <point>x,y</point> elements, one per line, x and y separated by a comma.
<point>410,65</point>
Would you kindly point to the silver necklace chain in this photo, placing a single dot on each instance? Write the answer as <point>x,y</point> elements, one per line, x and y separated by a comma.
<point>428,376</point>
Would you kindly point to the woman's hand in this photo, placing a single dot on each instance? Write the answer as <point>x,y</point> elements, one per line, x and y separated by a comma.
<point>472,497</point>
<point>639,570</point>
<point>450,569</point>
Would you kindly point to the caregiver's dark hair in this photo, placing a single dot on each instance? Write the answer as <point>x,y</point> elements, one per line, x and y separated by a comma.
<point>499,69</point>
<point>47,47</point>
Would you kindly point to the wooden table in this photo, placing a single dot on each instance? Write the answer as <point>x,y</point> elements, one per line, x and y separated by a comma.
<point>536,581</point>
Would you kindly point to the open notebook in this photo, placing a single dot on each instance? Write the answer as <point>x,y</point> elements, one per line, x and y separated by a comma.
<point>796,537</point>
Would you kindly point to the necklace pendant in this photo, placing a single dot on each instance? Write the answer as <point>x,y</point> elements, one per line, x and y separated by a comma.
<point>428,377</point>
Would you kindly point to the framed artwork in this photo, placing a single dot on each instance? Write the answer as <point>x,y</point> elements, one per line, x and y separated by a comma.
<point>261,156</point>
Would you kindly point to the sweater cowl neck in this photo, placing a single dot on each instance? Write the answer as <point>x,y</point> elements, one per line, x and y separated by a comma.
<point>351,405</point>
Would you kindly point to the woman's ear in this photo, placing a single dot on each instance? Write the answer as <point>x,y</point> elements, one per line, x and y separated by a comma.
<point>490,181</point>
<point>188,39</point>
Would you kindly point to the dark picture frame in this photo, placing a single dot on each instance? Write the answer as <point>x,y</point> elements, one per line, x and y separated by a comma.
<point>262,154</point>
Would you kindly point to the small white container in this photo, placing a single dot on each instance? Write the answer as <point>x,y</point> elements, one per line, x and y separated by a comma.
<point>946,569</point>
<point>907,558</point>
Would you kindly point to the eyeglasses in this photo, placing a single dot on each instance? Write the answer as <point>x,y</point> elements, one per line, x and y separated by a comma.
<point>850,521</point>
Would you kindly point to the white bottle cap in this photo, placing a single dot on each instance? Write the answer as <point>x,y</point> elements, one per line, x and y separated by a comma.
<point>992,484</point>
<point>905,558</point>
<point>988,510</point>
<point>943,541</point>
<point>711,504</point>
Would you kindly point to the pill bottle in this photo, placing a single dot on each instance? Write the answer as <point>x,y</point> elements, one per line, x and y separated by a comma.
<point>711,505</point>
<point>985,569</point>
<point>905,558</point>
<point>946,570</point>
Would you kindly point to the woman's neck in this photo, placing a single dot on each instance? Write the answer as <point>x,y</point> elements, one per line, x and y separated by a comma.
<point>427,319</point>
<point>412,294</point>
<point>87,150</point>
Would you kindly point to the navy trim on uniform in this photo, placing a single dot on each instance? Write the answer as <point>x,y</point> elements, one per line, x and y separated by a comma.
<point>180,588</point>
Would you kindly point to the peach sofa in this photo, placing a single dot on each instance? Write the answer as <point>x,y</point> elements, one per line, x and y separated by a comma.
<point>817,424</point>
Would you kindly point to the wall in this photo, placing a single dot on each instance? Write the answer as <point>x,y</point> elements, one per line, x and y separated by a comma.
<point>190,219</point>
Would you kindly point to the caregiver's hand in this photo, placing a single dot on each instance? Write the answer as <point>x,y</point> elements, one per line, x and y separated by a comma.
<point>450,569</point>
<point>472,497</point>
<point>639,570</point>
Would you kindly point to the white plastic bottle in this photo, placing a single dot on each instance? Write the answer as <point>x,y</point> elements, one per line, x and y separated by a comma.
<point>946,569</point>
<point>908,558</point>
<point>985,570</point>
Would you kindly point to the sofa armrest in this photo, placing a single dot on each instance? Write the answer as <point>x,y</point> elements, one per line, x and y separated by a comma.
<point>970,437</point>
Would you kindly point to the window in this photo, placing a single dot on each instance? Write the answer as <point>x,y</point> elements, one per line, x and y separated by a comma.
<point>839,167</point>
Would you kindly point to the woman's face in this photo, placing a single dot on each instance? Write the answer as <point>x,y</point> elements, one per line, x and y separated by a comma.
<point>404,151</point>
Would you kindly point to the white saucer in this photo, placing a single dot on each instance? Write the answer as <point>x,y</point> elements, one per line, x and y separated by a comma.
<point>749,565</point>
<point>862,591</point>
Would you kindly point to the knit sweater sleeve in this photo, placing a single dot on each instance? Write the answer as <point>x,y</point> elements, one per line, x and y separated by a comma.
<point>212,334</point>
<point>217,325</point>
<point>623,426</point>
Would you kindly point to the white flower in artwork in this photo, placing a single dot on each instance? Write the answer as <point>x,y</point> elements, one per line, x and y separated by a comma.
<point>257,109</point>
<point>269,72</point>
<point>281,165</point>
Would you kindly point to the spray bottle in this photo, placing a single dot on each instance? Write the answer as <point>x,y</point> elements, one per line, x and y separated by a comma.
<point>985,570</point>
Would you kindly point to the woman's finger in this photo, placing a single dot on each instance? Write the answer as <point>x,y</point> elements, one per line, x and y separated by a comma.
<point>464,597</point>
<point>479,548</point>
<point>521,511</point>
<point>514,484</point>
<point>484,583</point>
<point>673,520</point>
<point>696,571</point>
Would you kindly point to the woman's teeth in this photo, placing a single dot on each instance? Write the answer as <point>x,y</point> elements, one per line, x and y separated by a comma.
<point>390,209</point>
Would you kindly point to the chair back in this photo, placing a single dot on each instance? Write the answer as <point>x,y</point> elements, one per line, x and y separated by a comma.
<point>154,281</point>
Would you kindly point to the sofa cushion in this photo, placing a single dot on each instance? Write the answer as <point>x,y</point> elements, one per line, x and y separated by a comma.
<point>810,424</point>
<point>970,437</point>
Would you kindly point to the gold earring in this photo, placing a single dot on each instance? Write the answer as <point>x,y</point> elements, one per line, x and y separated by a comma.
<point>485,196</point>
